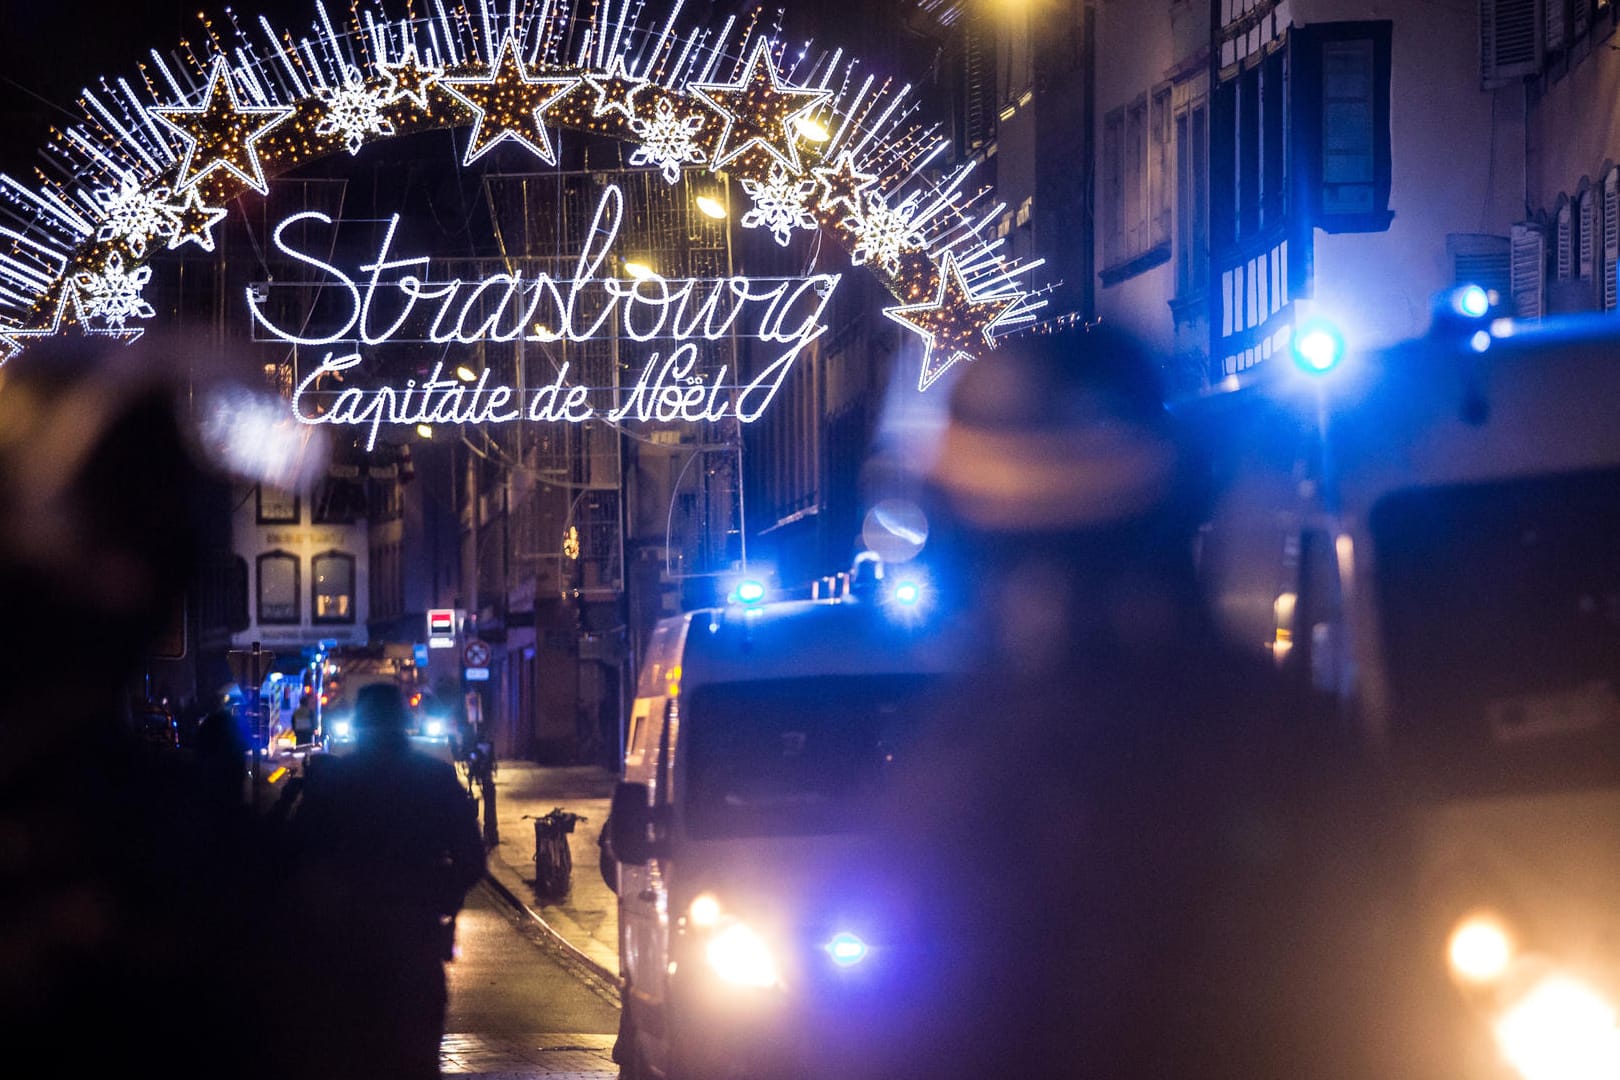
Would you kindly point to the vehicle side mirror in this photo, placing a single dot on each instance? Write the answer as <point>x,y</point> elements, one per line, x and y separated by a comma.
<point>635,833</point>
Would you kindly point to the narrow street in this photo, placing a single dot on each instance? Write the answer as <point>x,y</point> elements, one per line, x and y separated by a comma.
<point>520,1006</point>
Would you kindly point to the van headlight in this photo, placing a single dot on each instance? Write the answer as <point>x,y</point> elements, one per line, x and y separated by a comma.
<point>1560,1029</point>
<point>738,955</point>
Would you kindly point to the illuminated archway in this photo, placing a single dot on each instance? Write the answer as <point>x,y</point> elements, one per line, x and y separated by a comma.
<point>812,142</point>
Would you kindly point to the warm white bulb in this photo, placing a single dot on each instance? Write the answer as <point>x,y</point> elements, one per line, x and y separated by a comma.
<point>711,206</point>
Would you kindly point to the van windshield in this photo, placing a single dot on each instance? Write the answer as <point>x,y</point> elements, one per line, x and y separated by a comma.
<point>1501,624</point>
<point>803,756</point>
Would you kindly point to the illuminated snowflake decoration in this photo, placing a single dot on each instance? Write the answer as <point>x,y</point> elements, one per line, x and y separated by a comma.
<point>781,204</point>
<point>132,213</point>
<point>884,231</point>
<point>158,161</point>
<point>354,111</point>
<point>668,141</point>
<point>115,293</point>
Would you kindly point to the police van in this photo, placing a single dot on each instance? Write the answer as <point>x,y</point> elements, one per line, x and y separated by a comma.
<point>751,939</point>
<point>1428,539</point>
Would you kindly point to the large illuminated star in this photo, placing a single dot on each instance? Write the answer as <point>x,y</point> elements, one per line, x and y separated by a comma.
<point>409,79</point>
<point>221,133</point>
<point>843,183</point>
<point>509,104</point>
<point>758,110</point>
<point>616,91</point>
<point>192,221</point>
<point>69,311</point>
<point>954,325</point>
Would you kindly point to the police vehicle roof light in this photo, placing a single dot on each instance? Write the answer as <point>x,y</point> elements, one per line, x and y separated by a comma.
<point>1471,301</point>
<point>846,949</point>
<point>750,591</point>
<point>907,592</point>
<point>1318,347</point>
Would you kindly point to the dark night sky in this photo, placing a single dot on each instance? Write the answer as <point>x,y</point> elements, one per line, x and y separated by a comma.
<point>51,49</point>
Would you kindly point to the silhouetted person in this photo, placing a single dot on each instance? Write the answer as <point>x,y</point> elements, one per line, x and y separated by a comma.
<point>131,906</point>
<point>1128,857</point>
<point>220,748</point>
<point>384,846</point>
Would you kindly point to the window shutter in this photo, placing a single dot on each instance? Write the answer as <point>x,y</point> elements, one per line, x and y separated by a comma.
<point>1611,235</point>
<point>1481,259</point>
<point>1581,14</point>
<point>1509,41</point>
<point>1553,25</point>
<point>1586,224</point>
<point>1527,270</point>
<point>1566,244</point>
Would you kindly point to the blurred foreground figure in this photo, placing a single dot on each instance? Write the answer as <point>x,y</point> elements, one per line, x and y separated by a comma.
<point>1130,860</point>
<point>129,893</point>
<point>383,848</point>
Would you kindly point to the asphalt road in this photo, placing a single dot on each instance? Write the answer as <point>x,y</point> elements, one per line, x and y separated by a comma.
<point>520,1007</point>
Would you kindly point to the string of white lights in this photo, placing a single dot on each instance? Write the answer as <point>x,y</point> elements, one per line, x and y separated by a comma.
<point>208,127</point>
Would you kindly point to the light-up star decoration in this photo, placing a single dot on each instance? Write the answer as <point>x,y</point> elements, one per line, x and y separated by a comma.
<point>843,183</point>
<point>955,325</point>
<point>192,222</point>
<point>9,345</point>
<point>409,79</point>
<point>509,104</point>
<point>616,91</point>
<point>758,110</point>
<point>152,163</point>
<point>221,133</point>
<point>69,312</point>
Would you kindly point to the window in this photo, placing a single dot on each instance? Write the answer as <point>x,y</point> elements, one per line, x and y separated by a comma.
<point>1192,195</point>
<point>276,507</point>
<point>1160,174</point>
<point>1587,229</point>
<point>1528,270</point>
<point>278,588</point>
<point>1566,244</point>
<point>1510,42</point>
<point>1611,235</point>
<point>333,587</point>
<point>1480,259</point>
<point>1137,182</point>
<point>1343,120</point>
<point>1347,127</point>
<point>338,501</point>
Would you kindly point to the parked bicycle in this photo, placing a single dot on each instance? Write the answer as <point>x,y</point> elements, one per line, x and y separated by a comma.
<point>553,861</point>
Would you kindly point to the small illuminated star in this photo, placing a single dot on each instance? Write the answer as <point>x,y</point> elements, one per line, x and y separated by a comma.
<point>410,79</point>
<point>843,183</point>
<point>221,133</point>
<point>759,110</point>
<point>509,104</point>
<point>69,311</point>
<point>955,324</point>
<point>192,221</point>
<point>9,345</point>
<point>616,91</point>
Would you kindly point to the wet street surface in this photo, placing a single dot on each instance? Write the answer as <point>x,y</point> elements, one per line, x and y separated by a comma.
<point>520,1005</point>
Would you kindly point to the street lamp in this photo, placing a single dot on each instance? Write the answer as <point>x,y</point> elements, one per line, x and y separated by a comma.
<point>711,207</point>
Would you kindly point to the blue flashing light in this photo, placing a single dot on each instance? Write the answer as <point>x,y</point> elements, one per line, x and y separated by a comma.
<point>907,592</point>
<point>1471,301</point>
<point>750,591</point>
<point>1318,347</point>
<point>846,949</point>
<point>1480,341</point>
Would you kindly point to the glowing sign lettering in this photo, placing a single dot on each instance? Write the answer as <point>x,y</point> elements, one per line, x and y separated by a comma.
<point>392,299</point>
